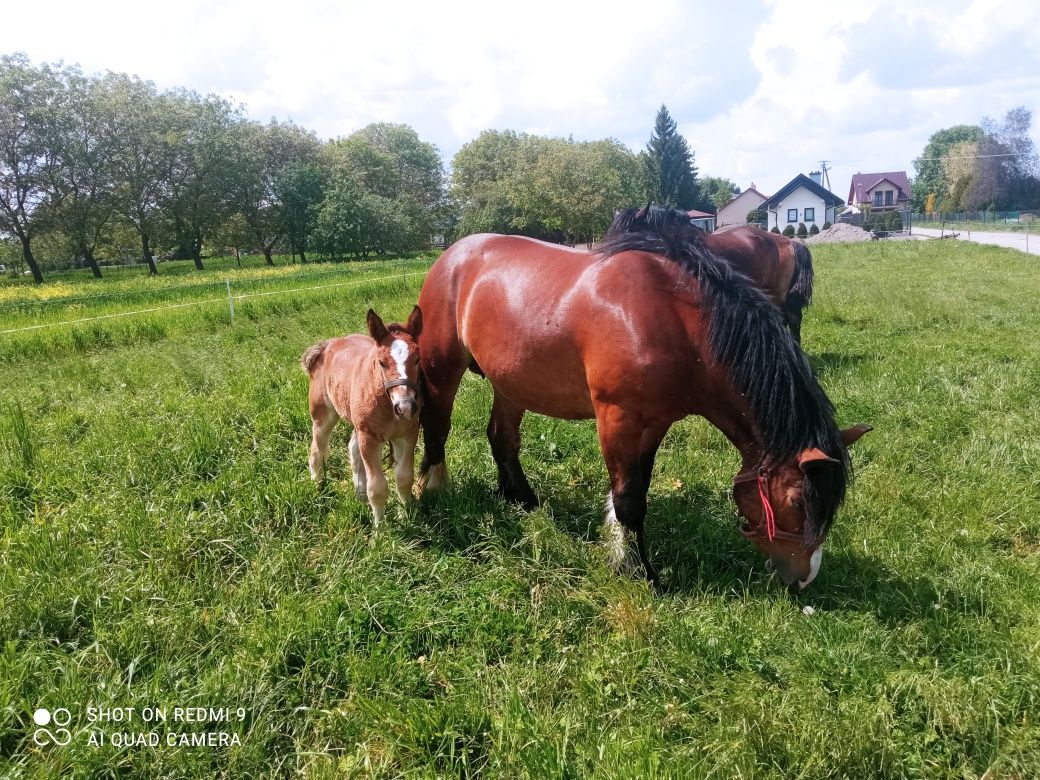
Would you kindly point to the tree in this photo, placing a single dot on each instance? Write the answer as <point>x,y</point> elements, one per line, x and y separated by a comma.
<point>391,161</point>
<point>715,192</point>
<point>81,187</point>
<point>300,188</point>
<point>670,170</point>
<point>262,154</point>
<point>930,165</point>
<point>201,175</point>
<point>143,121</point>
<point>27,103</point>
<point>960,166</point>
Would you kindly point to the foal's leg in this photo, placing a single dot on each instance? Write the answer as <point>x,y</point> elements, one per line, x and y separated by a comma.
<point>629,445</point>
<point>357,467</point>
<point>371,447</point>
<point>323,420</point>
<point>503,432</point>
<point>404,464</point>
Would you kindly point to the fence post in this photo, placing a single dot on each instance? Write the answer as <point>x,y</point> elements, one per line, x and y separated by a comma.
<point>230,300</point>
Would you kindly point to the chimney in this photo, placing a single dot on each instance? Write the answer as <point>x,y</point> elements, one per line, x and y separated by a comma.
<point>817,177</point>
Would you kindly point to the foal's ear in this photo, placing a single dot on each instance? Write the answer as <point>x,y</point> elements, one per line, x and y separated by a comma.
<point>851,435</point>
<point>376,328</point>
<point>415,322</point>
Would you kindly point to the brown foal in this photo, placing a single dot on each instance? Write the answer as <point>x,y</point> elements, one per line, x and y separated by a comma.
<point>372,382</point>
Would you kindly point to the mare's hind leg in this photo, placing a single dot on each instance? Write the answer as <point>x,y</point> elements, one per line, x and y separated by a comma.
<point>503,432</point>
<point>357,467</point>
<point>629,445</point>
<point>323,420</point>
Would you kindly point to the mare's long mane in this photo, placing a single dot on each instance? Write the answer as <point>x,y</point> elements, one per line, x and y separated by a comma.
<point>747,337</point>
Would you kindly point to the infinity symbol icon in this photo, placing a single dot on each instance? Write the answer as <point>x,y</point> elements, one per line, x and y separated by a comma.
<point>60,736</point>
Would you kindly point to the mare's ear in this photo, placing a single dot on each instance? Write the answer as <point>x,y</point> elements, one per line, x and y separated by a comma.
<point>415,322</point>
<point>851,435</point>
<point>814,457</point>
<point>376,328</point>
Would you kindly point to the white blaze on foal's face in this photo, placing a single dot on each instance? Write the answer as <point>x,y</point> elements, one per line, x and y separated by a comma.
<point>402,396</point>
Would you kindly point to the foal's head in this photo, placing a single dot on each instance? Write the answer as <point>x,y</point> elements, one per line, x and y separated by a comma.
<point>398,357</point>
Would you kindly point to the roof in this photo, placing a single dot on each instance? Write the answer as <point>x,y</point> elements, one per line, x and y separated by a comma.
<point>862,183</point>
<point>750,190</point>
<point>801,180</point>
<point>694,214</point>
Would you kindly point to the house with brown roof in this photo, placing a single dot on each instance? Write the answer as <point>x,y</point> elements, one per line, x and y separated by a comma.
<point>735,212</point>
<point>884,191</point>
<point>702,219</point>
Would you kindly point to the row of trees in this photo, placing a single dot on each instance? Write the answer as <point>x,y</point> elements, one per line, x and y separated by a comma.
<point>87,162</point>
<point>98,167</point>
<point>992,165</point>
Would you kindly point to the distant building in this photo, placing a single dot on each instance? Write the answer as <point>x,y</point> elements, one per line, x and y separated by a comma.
<point>803,199</point>
<point>885,191</point>
<point>735,212</point>
<point>703,220</point>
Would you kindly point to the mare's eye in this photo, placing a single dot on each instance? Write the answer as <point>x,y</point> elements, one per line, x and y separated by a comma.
<point>798,503</point>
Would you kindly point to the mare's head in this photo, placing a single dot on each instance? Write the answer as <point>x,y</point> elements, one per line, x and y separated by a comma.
<point>398,357</point>
<point>787,509</point>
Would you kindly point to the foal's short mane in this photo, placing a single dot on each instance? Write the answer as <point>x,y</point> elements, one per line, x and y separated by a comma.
<point>746,336</point>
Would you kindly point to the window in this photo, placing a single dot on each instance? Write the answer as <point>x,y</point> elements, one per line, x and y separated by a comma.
<point>888,197</point>
<point>877,197</point>
<point>792,215</point>
<point>810,215</point>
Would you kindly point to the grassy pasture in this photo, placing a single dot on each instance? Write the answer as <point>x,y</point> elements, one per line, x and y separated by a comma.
<point>162,546</point>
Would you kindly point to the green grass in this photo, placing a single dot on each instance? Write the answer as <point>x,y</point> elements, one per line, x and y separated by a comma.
<point>161,545</point>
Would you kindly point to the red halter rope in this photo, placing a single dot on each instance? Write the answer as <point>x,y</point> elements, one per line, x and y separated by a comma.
<point>761,476</point>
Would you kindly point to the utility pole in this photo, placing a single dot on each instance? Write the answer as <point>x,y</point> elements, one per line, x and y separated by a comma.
<point>825,178</point>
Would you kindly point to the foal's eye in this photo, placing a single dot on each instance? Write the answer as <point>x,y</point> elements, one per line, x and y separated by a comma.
<point>383,364</point>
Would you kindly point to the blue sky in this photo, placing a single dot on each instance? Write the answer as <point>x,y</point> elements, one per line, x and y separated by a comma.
<point>762,91</point>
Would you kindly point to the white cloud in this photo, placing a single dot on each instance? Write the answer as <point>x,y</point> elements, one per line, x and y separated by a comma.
<point>761,92</point>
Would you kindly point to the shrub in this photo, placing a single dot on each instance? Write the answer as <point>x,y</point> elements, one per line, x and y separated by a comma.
<point>802,231</point>
<point>894,221</point>
<point>827,225</point>
<point>813,230</point>
<point>756,217</point>
<point>789,231</point>
<point>774,229</point>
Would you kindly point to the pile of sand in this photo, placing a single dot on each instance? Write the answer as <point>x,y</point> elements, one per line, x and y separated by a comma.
<point>841,233</point>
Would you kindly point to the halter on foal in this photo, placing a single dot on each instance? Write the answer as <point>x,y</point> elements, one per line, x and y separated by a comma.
<point>371,381</point>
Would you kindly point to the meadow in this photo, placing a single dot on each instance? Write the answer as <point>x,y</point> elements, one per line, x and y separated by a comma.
<point>162,546</point>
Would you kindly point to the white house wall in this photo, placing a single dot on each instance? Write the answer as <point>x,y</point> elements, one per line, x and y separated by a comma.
<point>735,212</point>
<point>800,199</point>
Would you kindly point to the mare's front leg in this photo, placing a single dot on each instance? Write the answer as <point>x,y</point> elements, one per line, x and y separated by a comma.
<point>440,383</point>
<point>629,444</point>
<point>404,463</point>
<point>371,448</point>
<point>503,433</point>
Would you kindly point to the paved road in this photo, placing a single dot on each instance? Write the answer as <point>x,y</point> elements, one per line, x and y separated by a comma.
<point>1013,240</point>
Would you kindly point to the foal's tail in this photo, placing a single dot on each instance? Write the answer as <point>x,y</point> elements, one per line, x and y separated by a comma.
<point>802,282</point>
<point>311,357</point>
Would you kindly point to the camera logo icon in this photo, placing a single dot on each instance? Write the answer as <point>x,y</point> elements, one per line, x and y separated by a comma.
<point>60,736</point>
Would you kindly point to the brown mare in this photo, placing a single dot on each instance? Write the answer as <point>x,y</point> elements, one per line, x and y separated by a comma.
<point>373,384</point>
<point>781,267</point>
<point>650,330</point>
